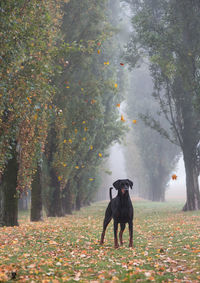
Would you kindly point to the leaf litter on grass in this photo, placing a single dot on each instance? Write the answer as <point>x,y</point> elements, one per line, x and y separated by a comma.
<point>166,248</point>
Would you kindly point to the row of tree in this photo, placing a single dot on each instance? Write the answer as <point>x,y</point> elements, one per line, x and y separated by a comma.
<point>58,114</point>
<point>166,35</point>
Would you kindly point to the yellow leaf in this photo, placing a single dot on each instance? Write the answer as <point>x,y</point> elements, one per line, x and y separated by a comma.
<point>91,179</point>
<point>83,122</point>
<point>91,147</point>
<point>70,141</point>
<point>65,141</point>
<point>77,167</point>
<point>84,139</point>
<point>35,116</point>
<point>134,121</point>
<point>100,155</point>
<point>122,118</point>
<point>85,129</point>
<point>118,105</point>
<point>116,85</point>
<point>59,178</point>
<point>98,51</point>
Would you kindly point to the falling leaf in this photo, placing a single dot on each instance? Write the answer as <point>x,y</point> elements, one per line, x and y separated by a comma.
<point>59,178</point>
<point>122,118</point>
<point>98,51</point>
<point>91,179</point>
<point>83,122</point>
<point>91,147</point>
<point>64,164</point>
<point>35,116</point>
<point>118,105</point>
<point>116,85</point>
<point>64,141</point>
<point>29,100</point>
<point>67,86</point>
<point>70,141</point>
<point>134,121</point>
<point>100,155</point>
<point>174,177</point>
<point>77,167</point>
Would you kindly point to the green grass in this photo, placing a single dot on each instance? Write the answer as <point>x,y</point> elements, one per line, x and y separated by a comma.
<point>166,247</point>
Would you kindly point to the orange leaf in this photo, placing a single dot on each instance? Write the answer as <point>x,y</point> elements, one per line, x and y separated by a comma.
<point>174,177</point>
<point>122,118</point>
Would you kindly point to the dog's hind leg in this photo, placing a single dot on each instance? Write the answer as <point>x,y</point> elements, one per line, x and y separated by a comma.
<point>122,225</point>
<point>107,219</point>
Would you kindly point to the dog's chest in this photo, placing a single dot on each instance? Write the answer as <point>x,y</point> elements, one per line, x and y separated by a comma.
<point>123,214</point>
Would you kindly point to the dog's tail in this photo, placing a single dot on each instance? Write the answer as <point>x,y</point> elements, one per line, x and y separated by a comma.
<point>111,193</point>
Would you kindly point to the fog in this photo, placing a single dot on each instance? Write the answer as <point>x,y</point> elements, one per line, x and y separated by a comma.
<point>176,189</point>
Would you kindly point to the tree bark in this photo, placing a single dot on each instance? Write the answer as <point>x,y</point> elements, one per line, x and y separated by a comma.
<point>9,201</point>
<point>36,197</point>
<point>192,185</point>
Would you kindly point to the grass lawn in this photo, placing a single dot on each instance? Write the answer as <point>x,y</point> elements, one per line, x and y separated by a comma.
<point>166,247</point>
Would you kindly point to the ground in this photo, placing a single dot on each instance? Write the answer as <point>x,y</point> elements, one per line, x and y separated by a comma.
<point>166,247</point>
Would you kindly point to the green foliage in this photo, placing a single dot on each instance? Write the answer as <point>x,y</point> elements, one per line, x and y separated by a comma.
<point>87,120</point>
<point>29,32</point>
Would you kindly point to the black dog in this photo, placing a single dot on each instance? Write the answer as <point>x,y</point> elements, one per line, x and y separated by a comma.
<point>121,210</point>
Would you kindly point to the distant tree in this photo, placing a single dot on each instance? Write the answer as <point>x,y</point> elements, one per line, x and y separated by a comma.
<point>86,119</point>
<point>153,157</point>
<point>168,32</point>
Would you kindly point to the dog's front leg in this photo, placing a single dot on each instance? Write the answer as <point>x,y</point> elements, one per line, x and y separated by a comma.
<point>130,234</point>
<point>115,234</point>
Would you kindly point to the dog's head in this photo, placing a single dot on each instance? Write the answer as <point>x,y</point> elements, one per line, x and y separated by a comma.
<point>123,185</point>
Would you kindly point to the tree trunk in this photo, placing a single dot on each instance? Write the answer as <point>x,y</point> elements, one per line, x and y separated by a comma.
<point>23,202</point>
<point>68,199</point>
<point>78,202</point>
<point>36,197</point>
<point>56,207</point>
<point>192,187</point>
<point>9,201</point>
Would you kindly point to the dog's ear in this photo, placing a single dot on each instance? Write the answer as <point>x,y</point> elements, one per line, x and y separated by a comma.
<point>116,184</point>
<point>130,183</point>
